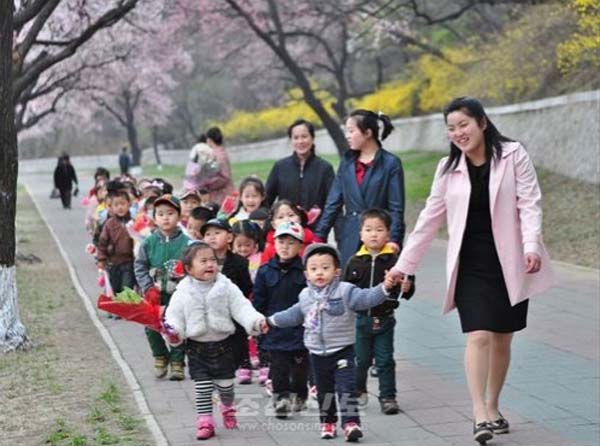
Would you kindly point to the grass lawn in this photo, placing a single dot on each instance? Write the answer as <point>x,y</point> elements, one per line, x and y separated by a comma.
<point>67,390</point>
<point>571,207</point>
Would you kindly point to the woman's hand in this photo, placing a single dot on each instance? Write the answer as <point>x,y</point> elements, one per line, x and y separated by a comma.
<point>394,246</point>
<point>533,263</point>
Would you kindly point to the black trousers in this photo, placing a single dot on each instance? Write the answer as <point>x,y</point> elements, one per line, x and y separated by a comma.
<point>240,347</point>
<point>335,374</point>
<point>289,373</point>
<point>65,197</point>
<point>121,276</point>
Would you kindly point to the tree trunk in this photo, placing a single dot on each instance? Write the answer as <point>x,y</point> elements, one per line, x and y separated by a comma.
<point>13,335</point>
<point>132,136</point>
<point>155,146</point>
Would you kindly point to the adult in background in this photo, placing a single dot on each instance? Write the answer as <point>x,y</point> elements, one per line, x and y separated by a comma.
<point>124,161</point>
<point>303,177</point>
<point>368,177</point>
<point>220,184</point>
<point>64,177</point>
<point>488,193</point>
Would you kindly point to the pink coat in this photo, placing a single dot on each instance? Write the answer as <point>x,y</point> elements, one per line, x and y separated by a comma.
<point>221,184</point>
<point>515,208</point>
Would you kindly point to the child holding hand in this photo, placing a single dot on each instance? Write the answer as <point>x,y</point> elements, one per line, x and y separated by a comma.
<point>327,308</point>
<point>201,313</point>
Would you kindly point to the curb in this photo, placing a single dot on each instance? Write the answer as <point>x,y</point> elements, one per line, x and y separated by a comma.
<point>134,385</point>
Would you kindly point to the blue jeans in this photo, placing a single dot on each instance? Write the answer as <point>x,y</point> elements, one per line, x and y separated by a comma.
<point>335,374</point>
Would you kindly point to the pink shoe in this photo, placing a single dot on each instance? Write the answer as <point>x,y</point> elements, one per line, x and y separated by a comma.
<point>228,412</point>
<point>205,427</point>
<point>263,375</point>
<point>244,376</point>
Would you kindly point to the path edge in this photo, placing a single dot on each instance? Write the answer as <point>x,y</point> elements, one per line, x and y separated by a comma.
<point>132,382</point>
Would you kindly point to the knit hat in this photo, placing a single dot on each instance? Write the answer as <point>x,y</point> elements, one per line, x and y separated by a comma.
<point>292,229</point>
<point>320,248</point>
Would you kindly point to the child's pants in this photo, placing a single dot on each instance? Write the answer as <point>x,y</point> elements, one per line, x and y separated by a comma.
<point>335,374</point>
<point>159,346</point>
<point>121,276</point>
<point>240,347</point>
<point>375,339</point>
<point>289,373</point>
<point>204,391</point>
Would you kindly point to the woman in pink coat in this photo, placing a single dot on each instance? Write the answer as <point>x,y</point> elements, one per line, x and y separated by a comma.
<point>487,191</point>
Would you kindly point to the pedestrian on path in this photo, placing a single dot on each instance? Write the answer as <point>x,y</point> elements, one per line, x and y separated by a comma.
<point>154,267</point>
<point>303,177</point>
<point>369,176</point>
<point>327,308</point>
<point>201,313</point>
<point>220,184</point>
<point>124,161</point>
<point>64,177</point>
<point>487,191</point>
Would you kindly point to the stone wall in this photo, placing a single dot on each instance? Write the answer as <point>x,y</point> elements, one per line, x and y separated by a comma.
<point>561,134</point>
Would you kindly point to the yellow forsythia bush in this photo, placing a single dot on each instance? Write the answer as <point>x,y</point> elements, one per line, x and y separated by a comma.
<point>582,49</point>
<point>394,99</point>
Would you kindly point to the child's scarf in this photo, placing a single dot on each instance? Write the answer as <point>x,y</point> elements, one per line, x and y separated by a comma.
<point>321,296</point>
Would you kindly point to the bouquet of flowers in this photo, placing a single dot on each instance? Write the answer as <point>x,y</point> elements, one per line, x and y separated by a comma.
<point>140,228</point>
<point>130,306</point>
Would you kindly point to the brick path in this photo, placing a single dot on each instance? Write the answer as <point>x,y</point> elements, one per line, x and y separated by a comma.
<point>552,396</point>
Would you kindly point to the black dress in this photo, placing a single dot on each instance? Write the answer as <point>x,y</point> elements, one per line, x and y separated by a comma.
<point>481,295</point>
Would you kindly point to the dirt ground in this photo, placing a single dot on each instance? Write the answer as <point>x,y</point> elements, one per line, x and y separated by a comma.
<point>67,390</point>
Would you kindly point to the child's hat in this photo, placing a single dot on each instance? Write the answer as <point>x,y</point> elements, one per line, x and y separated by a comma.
<point>170,200</point>
<point>189,193</point>
<point>215,223</point>
<point>320,248</point>
<point>259,214</point>
<point>292,229</point>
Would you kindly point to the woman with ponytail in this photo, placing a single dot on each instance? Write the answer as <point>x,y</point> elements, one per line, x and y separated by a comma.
<point>368,177</point>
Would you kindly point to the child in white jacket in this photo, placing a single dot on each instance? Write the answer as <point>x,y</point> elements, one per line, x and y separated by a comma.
<point>200,313</point>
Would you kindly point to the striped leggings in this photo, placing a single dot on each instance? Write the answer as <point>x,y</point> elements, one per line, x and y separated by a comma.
<point>204,390</point>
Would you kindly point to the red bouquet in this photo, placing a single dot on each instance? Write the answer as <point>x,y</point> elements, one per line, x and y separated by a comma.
<point>130,306</point>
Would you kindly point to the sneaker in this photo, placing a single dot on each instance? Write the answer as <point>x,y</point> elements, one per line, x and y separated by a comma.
<point>269,387</point>
<point>373,372</point>
<point>263,375</point>
<point>482,432</point>
<point>352,431</point>
<point>298,404</point>
<point>362,399</point>
<point>205,427</point>
<point>161,366</point>
<point>312,392</point>
<point>389,406</point>
<point>228,413</point>
<point>282,408</point>
<point>328,431</point>
<point>500,426</point>
<point>177,372</point>
<point>244,376</point>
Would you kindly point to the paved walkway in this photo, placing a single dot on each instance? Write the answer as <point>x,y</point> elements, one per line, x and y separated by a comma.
<point>552,397</point>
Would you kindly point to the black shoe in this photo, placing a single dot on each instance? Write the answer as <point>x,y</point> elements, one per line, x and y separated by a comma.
<point>482,432</point>
<point>389,406</point>
<point>500,426</point>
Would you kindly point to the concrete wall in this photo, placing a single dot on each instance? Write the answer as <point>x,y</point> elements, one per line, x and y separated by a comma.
<point>561,134</point>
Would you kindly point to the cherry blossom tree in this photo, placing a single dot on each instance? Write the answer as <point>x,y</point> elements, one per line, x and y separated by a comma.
<point>36,37</point>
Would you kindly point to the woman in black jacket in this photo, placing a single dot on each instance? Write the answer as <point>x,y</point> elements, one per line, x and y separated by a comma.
<point>303,177</point>
<point>64,177</point>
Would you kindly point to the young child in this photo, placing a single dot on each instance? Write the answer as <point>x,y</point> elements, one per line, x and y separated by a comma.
<point>284,211</point>
<point>189,199</point>
<point>201,313</point>
<point>154,265</point>
<point>217,234</point>
<point>246,242</point>
<point>252,195</point>
<point>198,218</point>
<point>278,284</point>
<point>375,326</point>
<point>115,246</point>
<point>326,308</point>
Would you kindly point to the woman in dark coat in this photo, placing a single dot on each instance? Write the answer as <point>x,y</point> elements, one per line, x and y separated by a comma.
<point>303,177</point>
<point>368,177</point>
<point>64,177</point>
